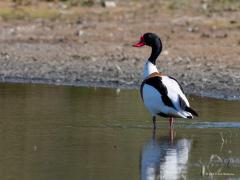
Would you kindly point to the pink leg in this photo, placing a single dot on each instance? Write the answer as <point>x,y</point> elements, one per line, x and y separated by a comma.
<point>171,122</point>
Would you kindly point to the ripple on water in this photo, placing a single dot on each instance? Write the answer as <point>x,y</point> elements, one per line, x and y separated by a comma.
<point>215,125</point>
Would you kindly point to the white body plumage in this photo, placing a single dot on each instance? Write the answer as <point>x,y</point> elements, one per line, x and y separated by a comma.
<point>153,99</point>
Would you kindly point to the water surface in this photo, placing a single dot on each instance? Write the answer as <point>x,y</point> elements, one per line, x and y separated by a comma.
<point>56,132</point>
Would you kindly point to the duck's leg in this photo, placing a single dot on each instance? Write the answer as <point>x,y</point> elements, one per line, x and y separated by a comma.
<point>154,134</point>
<point>171,122</point>
<point>154,122</point>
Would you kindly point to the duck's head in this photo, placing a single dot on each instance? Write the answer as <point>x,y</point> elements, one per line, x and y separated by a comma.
<point>152,40</point>
<point>149,39</point>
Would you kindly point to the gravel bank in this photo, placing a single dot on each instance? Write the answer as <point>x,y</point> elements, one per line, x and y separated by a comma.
<point>63,64</point>
<point>201,51</point>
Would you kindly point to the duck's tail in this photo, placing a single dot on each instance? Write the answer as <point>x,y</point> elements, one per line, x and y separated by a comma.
<point>193,112</point>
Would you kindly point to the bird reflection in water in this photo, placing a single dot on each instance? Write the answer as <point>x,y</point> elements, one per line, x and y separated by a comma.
<point>165,157</point>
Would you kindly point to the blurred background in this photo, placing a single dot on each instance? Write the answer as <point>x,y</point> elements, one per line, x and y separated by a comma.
<point>63,132</point>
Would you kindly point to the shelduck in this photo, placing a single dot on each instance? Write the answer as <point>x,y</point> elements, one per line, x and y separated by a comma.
<point>162,95</point>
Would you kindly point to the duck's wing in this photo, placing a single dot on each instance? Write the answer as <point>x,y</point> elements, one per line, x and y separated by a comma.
<point>157,83</point>
<point>177,96</point>
<point>175,91</point>
<point>164,96</point>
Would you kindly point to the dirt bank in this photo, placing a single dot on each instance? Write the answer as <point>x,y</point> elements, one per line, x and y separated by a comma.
<point>201,49</point>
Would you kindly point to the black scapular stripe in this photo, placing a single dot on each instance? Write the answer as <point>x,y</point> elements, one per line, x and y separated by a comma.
<point>182,103</point>
<point>156,82</point>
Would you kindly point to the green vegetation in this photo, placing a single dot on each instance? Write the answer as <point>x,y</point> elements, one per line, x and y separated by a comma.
<point>70,2</point>
<point>27,13</point>
<point>225,4</point>
<point>209,5</point>
<point>55,9</point>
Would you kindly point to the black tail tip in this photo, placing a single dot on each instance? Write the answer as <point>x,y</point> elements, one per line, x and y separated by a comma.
<point>188,109</point>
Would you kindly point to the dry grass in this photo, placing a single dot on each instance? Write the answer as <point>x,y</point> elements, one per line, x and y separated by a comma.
<point>55,9</point>
<point>28,13</point>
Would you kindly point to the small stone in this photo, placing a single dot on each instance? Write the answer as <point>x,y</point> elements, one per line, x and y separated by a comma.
<point>63,6</point>
<point>12,31</point>
<point>205,35</point>
<point>192,29</point>
<point>50,5</point>
<point>205,6</point>
<point>119,69</point>
<point>109,4</point>
<point>61,39</point>
<point>31,38</point>
<point>79,33</point>
<point>233,22</point>
<point>5,55</point>
<point>93,59</point>
<point>225,35</point>
<point>165,52</point>
<point>34,58</point>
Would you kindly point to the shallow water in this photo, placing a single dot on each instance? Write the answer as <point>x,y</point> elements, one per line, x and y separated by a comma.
<point>56,132</point>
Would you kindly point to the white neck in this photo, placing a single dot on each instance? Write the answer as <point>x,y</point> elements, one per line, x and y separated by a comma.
<point>149,68</point>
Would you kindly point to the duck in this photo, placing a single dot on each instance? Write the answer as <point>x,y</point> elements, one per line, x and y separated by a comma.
<point>162,95</point>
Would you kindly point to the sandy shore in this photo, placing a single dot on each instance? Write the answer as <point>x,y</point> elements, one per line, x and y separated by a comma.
<point>202,52</point>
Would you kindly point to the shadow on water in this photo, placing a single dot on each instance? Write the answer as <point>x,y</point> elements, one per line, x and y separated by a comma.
<point>165,157</point>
